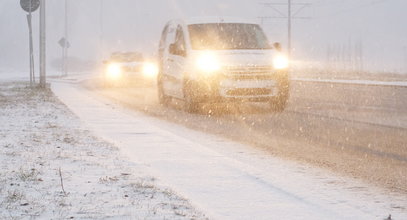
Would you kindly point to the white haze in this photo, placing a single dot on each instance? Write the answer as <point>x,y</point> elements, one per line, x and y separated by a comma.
<point>378,26</point>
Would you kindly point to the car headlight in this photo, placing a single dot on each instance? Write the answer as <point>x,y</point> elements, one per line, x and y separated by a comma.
<point>114,71</point>
<point>208,62</point>
<point>150,69</point>
<point>280,62</point>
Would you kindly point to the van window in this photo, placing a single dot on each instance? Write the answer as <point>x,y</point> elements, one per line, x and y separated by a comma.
<point>161,47</point>
<point>227,36</point>
<point>170,35</point>
<point>162,40</point>
<point>179,39</point>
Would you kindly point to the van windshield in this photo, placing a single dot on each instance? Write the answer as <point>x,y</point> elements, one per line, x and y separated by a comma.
<point>227,36</point>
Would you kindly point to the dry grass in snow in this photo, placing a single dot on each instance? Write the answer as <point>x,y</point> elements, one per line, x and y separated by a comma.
<point>53,168</point>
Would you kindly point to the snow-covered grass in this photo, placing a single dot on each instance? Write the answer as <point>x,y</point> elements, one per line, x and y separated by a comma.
<point>53,168</point>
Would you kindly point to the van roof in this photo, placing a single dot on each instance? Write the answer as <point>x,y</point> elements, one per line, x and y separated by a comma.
<point>214,19</point>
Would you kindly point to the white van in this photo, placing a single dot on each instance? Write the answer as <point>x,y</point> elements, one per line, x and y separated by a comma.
<point>205,60</point>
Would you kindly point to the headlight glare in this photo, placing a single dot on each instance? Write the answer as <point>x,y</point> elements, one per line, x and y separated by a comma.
<point>208,62</point>
<point>114,71</point>
<point>150,69</point>
<point>280,62</point>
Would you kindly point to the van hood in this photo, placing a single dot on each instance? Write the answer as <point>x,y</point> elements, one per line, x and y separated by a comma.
<point>244,57</point>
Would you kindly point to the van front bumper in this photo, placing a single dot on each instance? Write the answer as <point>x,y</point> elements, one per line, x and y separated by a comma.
<point>230,89</point>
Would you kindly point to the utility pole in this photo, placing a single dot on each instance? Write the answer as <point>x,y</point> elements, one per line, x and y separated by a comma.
<point>42,44</point>
<point>289,16</point>
<point>101,45</point>
<point>66,45</point>
<point>404,59</point>
<point>289,48</point>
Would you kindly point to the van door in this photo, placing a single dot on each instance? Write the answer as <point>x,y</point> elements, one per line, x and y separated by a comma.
<point>176,64</point>
<point>168,38</point>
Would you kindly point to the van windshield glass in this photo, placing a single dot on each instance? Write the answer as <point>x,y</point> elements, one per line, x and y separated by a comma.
<point>227,36</point>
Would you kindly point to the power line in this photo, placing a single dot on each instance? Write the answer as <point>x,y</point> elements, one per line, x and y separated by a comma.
<point>350,9</point>
<point>289,15</point>
<point>276,7</point>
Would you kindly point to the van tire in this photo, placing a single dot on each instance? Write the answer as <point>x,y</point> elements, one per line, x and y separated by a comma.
<point>163,99</point>
<point>109,84</point>
<point>279,103</point>
<point>190,105</point>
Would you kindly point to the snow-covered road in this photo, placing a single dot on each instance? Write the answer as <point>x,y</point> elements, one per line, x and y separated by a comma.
<point>228,180</point>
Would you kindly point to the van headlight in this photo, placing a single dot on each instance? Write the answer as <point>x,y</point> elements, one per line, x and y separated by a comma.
<point>280,62</point>
<point>150,69</point>
<point>208,62</point>
<point>114,71</point>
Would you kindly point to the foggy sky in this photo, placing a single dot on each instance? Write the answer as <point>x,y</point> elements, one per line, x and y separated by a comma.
<point>379,27</point>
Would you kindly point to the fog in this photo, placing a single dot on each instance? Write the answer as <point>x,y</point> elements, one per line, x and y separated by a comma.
<point>372,33</point>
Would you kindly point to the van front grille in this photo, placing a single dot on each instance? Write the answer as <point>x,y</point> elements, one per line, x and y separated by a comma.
<point>249,92</point>
<point>249,72</point>
<point>249,69</point>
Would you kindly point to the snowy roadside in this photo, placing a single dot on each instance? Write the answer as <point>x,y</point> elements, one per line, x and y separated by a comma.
<point>51,167</point>
<point>354,82</point>
<point>226,179</point>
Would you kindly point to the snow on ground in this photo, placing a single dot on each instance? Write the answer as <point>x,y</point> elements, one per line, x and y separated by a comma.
<point>53,168</point>
<point>10,74</point>
<point>225,179</point>
<point>355,82</point>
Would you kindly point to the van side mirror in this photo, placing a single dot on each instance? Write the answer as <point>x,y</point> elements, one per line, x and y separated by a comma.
<point>175,50</point>
<point>277,45</point>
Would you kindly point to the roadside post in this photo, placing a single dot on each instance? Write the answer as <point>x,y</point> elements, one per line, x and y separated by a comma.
<point>42,45</point>
<point>64,43</point>
<point>30,6</point>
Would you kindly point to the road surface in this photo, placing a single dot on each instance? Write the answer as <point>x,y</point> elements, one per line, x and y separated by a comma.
<point>229,180</point>
<point>353,129</point>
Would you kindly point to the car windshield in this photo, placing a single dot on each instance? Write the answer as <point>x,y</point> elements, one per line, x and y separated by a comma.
<point>227,36</point>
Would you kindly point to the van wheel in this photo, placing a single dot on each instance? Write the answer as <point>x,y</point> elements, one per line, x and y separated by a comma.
<point>163,99</point>
<point>279,103</point>
<point>108,84</point>
<point>190,105</point>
